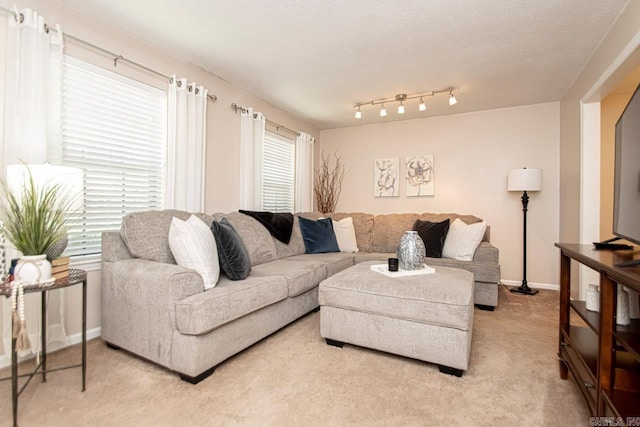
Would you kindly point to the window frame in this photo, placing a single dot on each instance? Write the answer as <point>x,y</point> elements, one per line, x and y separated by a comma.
<point>92,261</point>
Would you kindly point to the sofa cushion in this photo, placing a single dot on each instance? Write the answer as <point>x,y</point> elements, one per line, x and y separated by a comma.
<point>296,244</point>
<point>362,224</point>
<point>488,272</point>
<point>256,238</point>
<point>146,234</point>
<point>193,246</point>
<point>433,235</point>
<point>388,229</point>
<point>279,224</point>
<point>301,276</point>
<point>483,270</point>
<point>334,261</point>
<point>467,219</point>
<point>233,256</point>
<point>229,300</point>
<point>462,240</point>
<point>318,236</point>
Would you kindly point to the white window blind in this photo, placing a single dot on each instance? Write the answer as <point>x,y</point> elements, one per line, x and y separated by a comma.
<point>278,169</point>
<point>114,129</point>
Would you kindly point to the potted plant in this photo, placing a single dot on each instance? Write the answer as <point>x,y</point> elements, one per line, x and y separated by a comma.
<point>33,217</point>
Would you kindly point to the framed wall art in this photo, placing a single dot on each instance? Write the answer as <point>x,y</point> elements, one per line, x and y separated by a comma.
<point>419,175</point>
<point>385,177</point>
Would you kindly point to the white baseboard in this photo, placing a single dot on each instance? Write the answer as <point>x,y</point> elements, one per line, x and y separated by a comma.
<point>534,285</point>
<point>5,359</point>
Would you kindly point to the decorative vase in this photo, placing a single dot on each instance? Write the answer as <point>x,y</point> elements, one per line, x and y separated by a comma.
<point>56,248</point>
<point>33,269</point>
<point>622,312</point>
<point>593,298</point>
<point>634,303</point>
<point>411,251</point>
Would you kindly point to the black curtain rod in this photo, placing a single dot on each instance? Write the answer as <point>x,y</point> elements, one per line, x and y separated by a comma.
<point>19,17</point>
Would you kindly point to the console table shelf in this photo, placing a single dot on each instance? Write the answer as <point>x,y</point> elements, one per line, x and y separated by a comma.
<point>604,358</point>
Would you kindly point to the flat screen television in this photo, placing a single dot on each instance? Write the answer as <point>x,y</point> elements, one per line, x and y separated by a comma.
<point>626,202</point>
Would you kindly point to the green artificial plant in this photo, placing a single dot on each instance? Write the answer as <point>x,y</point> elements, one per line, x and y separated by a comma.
<point>34,216</point>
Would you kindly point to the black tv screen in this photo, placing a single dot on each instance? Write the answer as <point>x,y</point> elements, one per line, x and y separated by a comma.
<point>626,209</point>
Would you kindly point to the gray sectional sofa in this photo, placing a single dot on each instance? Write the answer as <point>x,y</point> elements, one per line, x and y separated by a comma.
<point>160,311</point>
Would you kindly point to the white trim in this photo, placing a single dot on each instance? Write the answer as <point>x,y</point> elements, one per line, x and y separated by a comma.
<point>5,360</point>
<point>534,285</point>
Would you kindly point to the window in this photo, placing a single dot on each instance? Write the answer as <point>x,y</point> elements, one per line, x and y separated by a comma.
<point>114,129</point>
<point>278,169</point>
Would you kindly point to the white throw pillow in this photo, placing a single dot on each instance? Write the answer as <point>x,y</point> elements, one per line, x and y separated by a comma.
<point>345,235</point>
<point>193,246</point>
<point>462,240</point>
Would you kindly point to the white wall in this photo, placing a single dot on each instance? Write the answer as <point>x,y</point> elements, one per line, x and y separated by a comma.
<point>223,125</point>
<point>617,55</point>
<point>473,153</point>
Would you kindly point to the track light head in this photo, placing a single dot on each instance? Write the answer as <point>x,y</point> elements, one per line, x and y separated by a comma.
<point>452,99</point>
<point>422,106</point>
<point>383,111</point>
<point>401,108</point>
<point>358,113</point>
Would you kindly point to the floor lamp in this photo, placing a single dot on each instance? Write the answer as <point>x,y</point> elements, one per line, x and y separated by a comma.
<point>524,180</point>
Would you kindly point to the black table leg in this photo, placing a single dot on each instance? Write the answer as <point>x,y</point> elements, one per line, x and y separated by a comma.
<point>84,334</point>
<point>43,334</point>
<point>14,379</point>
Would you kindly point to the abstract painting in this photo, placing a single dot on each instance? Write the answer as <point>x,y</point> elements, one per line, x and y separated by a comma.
<point>419,175</point>
<point>386,173</point>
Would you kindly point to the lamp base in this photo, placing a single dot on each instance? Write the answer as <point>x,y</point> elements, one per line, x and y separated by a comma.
<point>524,289</point>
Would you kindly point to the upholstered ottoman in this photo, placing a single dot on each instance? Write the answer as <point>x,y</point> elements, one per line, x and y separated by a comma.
<point>426,317</point>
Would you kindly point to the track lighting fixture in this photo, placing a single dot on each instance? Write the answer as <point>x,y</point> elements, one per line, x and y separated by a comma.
<point>421,107</point>
<point>452,99</point>
<point>403,97</point>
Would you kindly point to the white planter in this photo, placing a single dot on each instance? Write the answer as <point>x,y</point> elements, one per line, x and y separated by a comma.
<point>33,269</point>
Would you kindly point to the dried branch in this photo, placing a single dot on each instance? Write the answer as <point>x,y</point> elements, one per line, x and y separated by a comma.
<point>327,185</point>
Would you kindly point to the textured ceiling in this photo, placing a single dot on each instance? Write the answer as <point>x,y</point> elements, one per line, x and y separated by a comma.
<point>317,59</point>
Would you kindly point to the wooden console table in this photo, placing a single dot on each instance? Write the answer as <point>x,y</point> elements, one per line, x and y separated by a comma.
<point>76,276</point>
<point>604,358</point>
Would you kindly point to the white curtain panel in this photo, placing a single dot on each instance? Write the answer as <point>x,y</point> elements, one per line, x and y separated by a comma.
<point>187,134</point>
<point>304,173</point>
<point>252,129</point>
<point>32,135</point>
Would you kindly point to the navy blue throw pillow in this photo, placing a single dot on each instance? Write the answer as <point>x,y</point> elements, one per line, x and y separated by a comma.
<point>233,256</point>
<point>318,236</point>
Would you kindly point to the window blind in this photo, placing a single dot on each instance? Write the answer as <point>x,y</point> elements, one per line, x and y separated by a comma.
<point>278,169</point>
<point>114,129</point>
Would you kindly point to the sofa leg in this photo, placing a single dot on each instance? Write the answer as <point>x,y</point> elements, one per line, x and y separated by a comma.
<point>197,378</point>
<point>335,343</point>
<point>317,309</point>
<point>112,346</point>
<point>450,371</point>
<point>485,307</point>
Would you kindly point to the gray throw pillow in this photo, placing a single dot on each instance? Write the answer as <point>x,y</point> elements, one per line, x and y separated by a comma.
<point>233,256</point>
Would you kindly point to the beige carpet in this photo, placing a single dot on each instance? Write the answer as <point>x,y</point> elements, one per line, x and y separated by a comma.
<point>294,379</point>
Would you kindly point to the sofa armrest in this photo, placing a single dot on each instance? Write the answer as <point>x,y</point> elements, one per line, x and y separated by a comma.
<point>486,252</point>
<point>139,305</point>
<point>113,247</point>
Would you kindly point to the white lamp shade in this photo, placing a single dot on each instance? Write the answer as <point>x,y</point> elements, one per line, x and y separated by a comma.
<point>524,180</point>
